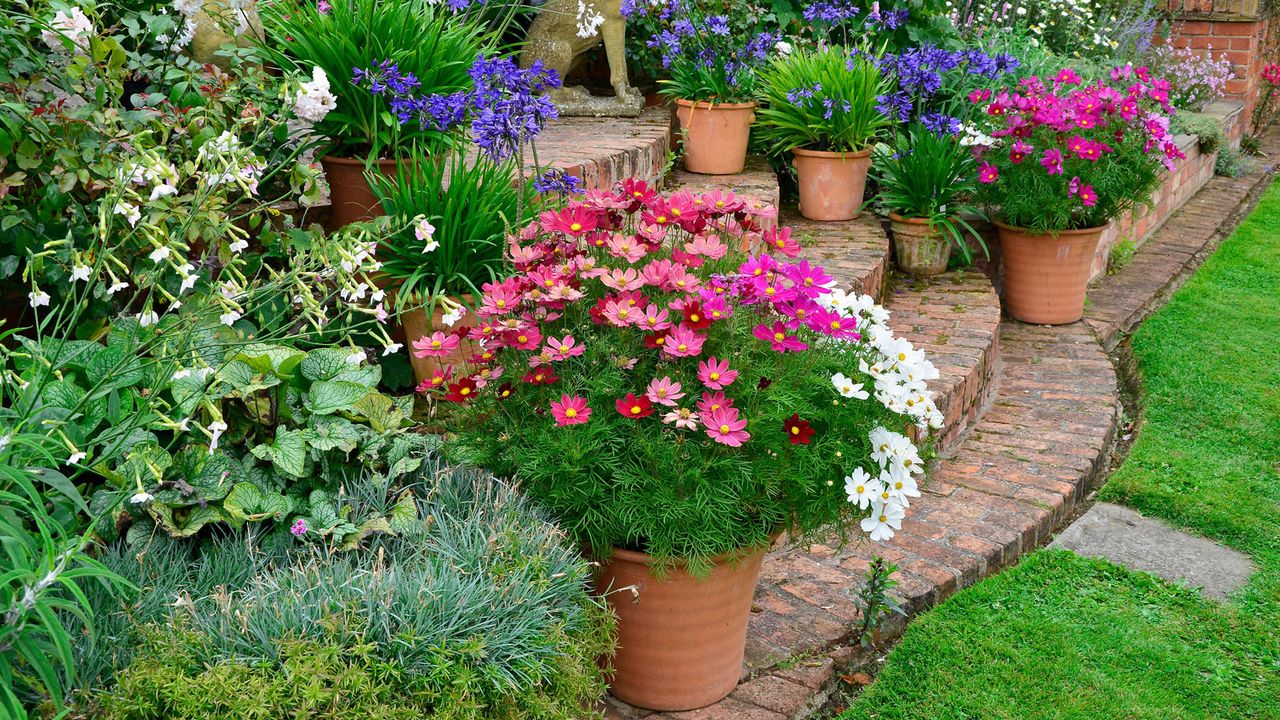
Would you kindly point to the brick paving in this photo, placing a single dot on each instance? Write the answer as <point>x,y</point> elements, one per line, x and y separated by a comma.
<point>605,151</point>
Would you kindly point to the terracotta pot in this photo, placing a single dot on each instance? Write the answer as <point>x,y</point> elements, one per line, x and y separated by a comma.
<point>350,196</point>
<point>1045,275</point>
<point>716,135</point>
<point>681,639</point>
<point>920,248</point>
<point>417,323</point>
<point>832,184</point>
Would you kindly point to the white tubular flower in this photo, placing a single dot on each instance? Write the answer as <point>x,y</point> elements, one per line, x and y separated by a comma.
<point>314,101</point>
<point>39,298</point>
<point>80,272</point>
<point>141,497</point>
<point>148,318</point>
<point>215,430</point>
<point>74,25</point>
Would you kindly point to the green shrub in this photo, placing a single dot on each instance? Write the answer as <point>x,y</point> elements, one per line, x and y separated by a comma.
<point>470,607</point>
<point>1206,128</point>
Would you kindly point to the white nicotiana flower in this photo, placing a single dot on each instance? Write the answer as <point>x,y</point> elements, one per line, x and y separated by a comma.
<point>229,318</point>
<point>188,7</point>
<point>80,272</point>
<point>160,254</point>
<point>452,317</point>
<point>216,428</point>
<point>116,287</point>
<point>39,298</point>
<point>314,100</point>
<point>356,357</point>
<point>391,349</point>
<point>129,211</point>
<point>239,246</point>
<point>141,497</point>
<point>148,318</point>
<point>73,25</point>
<point>782,47</point>
<point>76,457</point>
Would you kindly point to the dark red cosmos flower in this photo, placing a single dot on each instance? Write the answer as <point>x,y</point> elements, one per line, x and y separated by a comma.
<point>461,391</point>
<point>505,391</point>
<point>764,383</point>
<point>694,318</point>
<point>656,340</point>
<point>634,407</point>
<point>798,431</point>
<point>541,376</point>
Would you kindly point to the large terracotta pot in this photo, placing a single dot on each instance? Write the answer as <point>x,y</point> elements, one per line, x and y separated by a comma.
<point>832,184</point>
<point>920,248</point>
<point>1045,275</point>
<point>715,141</point>
<point>417,323</point>
<point>681,639</point>
<point>350,196</point>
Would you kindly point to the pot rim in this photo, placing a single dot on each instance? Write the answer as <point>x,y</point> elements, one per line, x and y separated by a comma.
<point>865,152</point>
<point>1051,233</point>
<point>340,160</point>
<point>895,217</point>
<point>710,105</point>
<point>644,558</point>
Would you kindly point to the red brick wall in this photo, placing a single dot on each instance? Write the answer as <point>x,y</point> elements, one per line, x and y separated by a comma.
<point>1226,26</point>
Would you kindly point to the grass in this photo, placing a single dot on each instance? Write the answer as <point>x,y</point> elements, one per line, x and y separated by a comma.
<point>1065,637</point>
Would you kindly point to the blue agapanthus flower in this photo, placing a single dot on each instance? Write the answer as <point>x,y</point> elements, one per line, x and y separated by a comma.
<point>557,181</point>
<point>895,105</point>
<point>941,123</point>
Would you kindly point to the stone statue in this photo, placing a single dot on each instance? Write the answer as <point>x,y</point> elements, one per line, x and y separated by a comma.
<point>556,37</point>
<point>219,23</point>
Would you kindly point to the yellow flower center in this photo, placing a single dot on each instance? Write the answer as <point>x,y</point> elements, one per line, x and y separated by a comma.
<point>623,313</point>
<point>549,282</point>
<point>795,429</point>
<point>682,347</point>
<point>860,489</point>
<point>779,336</point>
<point>884,519</point>
<point>715,376</point>
<point>636,409</point>
<point>770,290</point>
<point>465,391</point>
<point>724,429</point>
<point>719,203</point>
<point>715,313</point>
<point>660,341</point>
<point>662,392</point>
<point>435,344</point>
<point>575,227</point>
<point>902,357</point>
<point>501,303</point>
<point>835,324</point>
<point>661,219</point>
<point>523,338</point>
<point>694,317</point>
<point>675,211</point>
<point>570,413</point>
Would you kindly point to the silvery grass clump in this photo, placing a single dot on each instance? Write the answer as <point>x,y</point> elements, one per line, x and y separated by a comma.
<point>478,609</point>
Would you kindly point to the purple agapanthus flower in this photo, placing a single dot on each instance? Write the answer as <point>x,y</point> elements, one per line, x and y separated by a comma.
<point>940,123</point>
<point>557,181</point>
<point>895,106</point>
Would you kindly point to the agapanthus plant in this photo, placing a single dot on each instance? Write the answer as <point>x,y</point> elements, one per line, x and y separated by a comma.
<point>821,99</point>
<point>658,388</point>
<point>708,55</point>
<point>1068,155</point>
<point>930,84</point>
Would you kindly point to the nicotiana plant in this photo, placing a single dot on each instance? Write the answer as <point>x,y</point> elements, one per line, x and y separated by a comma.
<point>658,389</point>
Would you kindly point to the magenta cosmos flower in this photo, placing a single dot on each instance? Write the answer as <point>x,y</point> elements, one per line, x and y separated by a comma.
<point>570,410</point>
<point>778,338</point>
<point>716,374</point>
<point>437,344</point>
<point>725,427</point>
<point>683,342</point>
<point>563,349</point>
<point>664,391</point>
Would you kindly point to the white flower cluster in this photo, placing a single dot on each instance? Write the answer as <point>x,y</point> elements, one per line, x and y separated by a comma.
<point>900,372</point>
<point>314,100</point>
<point>73,25</point>
<point>589,20</point>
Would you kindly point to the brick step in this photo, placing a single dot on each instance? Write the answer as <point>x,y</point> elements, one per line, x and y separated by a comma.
<point>854,252</point>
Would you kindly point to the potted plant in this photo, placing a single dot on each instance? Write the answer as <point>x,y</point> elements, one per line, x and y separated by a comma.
<point>676,404</point>
<point>1067,158</point>
<point>711,60</point>
<point>369,52</point>
<point>926,178</point>
<point>450,221</point>
<point>820,104</point>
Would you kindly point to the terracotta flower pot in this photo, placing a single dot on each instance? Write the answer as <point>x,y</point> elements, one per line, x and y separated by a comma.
<point>832,184</point>
<point>350,196</point>
<point>716,135</point>
<point>681,639</point>
<point>920,248</point>
<point>417,323</point>
<point>1045,275</point>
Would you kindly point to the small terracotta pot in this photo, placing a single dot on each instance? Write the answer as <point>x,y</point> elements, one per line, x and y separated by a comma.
<point>417,324</point>
<point>681,639</point>
<point>920,248</point>
<point>350,196</point>
<point>832,184</point>
<point>716,135</point>
<point>1046,275</point>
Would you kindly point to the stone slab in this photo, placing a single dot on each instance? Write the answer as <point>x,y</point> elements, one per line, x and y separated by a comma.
<point>1127,538</point>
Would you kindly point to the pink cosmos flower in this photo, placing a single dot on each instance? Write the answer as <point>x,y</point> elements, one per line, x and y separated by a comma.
<point>683,418</point>
<point>717,308</point>
<point>565,348</point>
<point>1088,196</point>
<point>570,410</point>
<point>1052,161</point>
<point>758,266</point>
<point>716,374</point>
<point>620,313</point>
<point>778,338</point>
<point>576,220</point>
<point>707,246</point>
<point>664,391</point>
<point>988,173</point>
<point>524,339</point>
<point>800,310</point>
<point>1019,151</point>
<point>710,402</point>
<point>725,427</point>
<point>437,344</point>
<point>779,240</point>
<point>683,342</point>
<point>811,279</point>
<point>655,318</point>
<point>622,279</point>
<point>655,273</point>
<point>499,300</point>
<point>834,324</point>
<point>1067,76</point>
<point>626,247</point>
<point>681,280</point>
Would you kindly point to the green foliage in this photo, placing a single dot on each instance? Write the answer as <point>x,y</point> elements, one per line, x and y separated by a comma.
<point>927,175</point>
<point>1233,163</point>
<point>874,602</point>
<point>421,37</point>
<point>821,99</point>
<point>471,205</point>
<point>1120,256</point>
<point>475,609</point>
<point>1206,128</point>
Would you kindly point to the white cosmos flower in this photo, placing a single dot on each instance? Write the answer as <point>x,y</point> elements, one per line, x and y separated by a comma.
<point>885,518</point>
<point>140,497</point>
<point>848,388</point>
<point>38,298</point>
<point>901,486</point>
<point>862,488</point>
<point>80,272</point>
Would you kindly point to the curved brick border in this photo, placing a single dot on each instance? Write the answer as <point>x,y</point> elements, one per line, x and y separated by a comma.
<point>605,151</point>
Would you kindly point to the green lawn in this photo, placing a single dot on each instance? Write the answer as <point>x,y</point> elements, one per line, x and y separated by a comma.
<point>1061,636</point>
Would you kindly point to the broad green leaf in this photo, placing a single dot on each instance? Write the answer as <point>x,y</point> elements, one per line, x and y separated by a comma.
<point>329,396</point>
<point>380,411</point>
<point>115,366</point>
<point>271,359</point>
<point>325,363</point>
<point>248,502</point>
<point>242,379</point>
<point>199,476</point>
<point>404,515</point>
<point>334,433</point>
<point>367,528</point>
<point>288,453</point>
<point>185,521</point>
